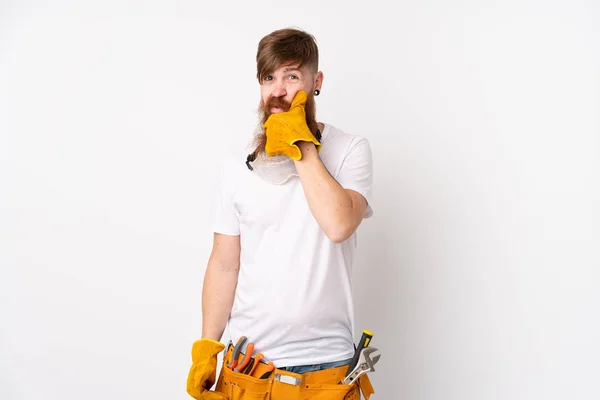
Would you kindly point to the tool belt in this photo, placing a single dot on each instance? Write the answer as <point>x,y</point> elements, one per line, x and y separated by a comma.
<point>285,385</point>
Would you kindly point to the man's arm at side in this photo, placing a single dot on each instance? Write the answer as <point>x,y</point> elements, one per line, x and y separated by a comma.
<point>220,282</point>
<point>338,211</point>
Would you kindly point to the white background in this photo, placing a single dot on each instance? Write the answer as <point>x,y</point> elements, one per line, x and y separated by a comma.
<point>479,272</point>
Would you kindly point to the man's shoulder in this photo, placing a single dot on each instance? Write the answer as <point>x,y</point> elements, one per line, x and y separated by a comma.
<point>233,161</point>
<point>340,139</point>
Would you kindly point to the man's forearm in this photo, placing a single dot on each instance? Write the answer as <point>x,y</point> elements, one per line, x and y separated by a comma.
<point>331,206</point>
<point>218,293</point>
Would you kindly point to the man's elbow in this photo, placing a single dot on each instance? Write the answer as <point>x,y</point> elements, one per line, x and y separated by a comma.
<point>342,226</point>
<point>340,232</point>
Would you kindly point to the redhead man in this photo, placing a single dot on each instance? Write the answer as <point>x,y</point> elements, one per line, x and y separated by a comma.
<point>284,221</point>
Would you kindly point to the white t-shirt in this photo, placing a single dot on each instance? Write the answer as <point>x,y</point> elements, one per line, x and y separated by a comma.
<point>293,298</point>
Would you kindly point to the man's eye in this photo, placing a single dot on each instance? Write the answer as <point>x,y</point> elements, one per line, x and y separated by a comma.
<point>268,78</point>
<point>293,77</point>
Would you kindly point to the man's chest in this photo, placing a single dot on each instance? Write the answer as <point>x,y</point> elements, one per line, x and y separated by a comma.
<point>266,205</point>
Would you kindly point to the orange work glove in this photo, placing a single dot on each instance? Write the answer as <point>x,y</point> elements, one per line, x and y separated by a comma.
<point>284,129</point>
<point>203,373</point>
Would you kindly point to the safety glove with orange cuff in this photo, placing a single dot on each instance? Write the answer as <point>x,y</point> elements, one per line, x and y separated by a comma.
<point>284,129</point>
<point>203,373</point>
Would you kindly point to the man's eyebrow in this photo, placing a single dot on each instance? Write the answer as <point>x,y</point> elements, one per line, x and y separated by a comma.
<point>288,69</point>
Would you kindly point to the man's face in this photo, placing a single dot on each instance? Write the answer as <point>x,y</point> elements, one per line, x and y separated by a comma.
<point>278,89</point>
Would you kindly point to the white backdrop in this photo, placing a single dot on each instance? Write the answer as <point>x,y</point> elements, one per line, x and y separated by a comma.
<point>479,272</point>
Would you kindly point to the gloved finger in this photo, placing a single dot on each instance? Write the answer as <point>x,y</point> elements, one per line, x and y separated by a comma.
<point>195,393</point>
<point>205,347</point>
<point>202,374</point>
<point>191,381</point>
<point>299,99</point>
<point>200,393</point>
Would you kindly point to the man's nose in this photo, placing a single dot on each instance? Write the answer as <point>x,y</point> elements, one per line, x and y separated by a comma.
<point>279,90</point>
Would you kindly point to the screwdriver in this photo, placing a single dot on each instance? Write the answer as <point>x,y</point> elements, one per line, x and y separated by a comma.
<point>364,342</point>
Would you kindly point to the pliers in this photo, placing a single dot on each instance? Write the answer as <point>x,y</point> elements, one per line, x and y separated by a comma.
<point>248,364</point>
<point>234,365</point>
<point>254,363</point>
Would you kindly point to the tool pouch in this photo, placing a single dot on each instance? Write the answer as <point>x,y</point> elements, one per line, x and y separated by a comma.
<point>238,386</point>
<point>284,385</point>
<point>365,386</point>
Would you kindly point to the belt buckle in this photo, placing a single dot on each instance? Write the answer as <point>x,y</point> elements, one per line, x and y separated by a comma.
<point>290,380</point>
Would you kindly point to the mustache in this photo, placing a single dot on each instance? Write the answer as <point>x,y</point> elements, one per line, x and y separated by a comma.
<point>277,102</point>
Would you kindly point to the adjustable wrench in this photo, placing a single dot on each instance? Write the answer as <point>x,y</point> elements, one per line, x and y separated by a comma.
<point>365,365</point>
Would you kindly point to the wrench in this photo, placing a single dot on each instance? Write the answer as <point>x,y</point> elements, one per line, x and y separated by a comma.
<point>364,365</point>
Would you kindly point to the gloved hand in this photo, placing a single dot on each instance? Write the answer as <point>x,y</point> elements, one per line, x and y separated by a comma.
<point>286,128</point>
<point>203,372</point>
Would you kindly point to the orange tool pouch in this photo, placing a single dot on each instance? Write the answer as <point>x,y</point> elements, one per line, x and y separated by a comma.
<point>284,385</point>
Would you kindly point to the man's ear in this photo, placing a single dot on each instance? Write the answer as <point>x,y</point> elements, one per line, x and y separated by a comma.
<point>318,80</point>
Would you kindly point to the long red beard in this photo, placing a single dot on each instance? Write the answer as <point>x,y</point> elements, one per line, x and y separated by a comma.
<point>264,111</point>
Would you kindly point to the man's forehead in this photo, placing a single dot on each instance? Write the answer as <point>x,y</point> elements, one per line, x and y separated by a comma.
<point>289,66</point>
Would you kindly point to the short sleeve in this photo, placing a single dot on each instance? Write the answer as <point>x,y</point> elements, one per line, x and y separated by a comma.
<point>225,216</point>
<point>356,171</point>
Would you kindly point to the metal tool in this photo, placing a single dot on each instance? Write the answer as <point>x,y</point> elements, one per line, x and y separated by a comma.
<point>237,350</point>
<point>255,361</point>
<point>290,380</point>
<point>270,369</point>
<point>249,367</point>
<point>364,365</point>
<point>246,360</point>
<point>364,342</point>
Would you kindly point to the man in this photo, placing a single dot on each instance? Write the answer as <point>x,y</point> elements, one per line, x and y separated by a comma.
<point>284,237</point>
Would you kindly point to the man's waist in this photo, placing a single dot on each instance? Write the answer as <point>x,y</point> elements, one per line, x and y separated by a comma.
<point>301,369</point>
<point>291,347</point>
